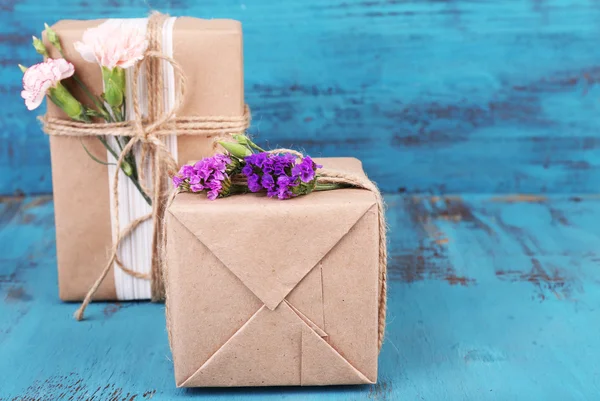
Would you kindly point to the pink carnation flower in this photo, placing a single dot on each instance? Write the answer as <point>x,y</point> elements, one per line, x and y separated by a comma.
<point>114,43</point>
<point>43,76</point>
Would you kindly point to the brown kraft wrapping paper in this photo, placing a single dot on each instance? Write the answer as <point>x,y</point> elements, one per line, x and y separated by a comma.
<point>210,54</point>
<point>262,292</point>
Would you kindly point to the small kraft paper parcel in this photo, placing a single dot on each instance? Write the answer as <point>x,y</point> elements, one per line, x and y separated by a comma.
<point>184,90</point>
<point>263,292</point>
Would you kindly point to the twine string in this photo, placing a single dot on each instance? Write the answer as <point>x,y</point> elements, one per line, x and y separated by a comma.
<point>330,176</point>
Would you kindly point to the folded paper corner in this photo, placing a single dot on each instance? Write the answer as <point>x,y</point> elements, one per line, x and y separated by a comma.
<point>322,365</point>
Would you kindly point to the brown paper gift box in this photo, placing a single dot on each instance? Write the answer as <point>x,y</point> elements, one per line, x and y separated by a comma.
<point>262,292</point>
<point>210,54</point>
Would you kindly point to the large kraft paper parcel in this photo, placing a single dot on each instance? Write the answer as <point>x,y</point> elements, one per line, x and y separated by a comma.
<point>262,292</point>
<point>210,54</point>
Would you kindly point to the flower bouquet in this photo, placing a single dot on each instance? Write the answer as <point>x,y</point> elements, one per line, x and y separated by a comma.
<point>246,167</point>
<point>115,47</point>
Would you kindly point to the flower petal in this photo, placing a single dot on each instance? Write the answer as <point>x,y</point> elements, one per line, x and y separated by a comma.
<point>86,51</point>
<point>113,44</point>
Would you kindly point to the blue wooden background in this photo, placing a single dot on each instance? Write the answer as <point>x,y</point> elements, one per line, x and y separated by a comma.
<point>435,96</point>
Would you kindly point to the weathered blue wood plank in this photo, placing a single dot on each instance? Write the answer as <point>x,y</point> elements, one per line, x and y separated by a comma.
<point>462,96</point>
<point>491,298</point>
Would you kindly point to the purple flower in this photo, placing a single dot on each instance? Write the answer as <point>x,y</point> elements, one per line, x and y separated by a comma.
<point>197,187</point>
<point>284,181</point>
<point>215,184</point>
<point>257,159</point>
<point>267,182</point>
<point>279,174</point>
<point>247,170</point>
<point>203,169</point>
<point>267,167</point>
<point>254,183</point>
<point>209,174</point>
<point>220,162</point>
<point>186,171</point>
<point>284,184</point>
<point>305,170</point>
<point>284,193</point>
<point>177,181</point>
<point>279,169</point>
<point>212,194</point>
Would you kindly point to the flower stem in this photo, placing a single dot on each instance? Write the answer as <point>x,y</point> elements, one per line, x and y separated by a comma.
<point>129,159</point>
<point>133,176</point>
<point>93,98</point>
<point>330,187</point>
<point>94,158</point>
<point>139,187</point>
<point>255,146</point>
<point>118,113</point>
<point>236,189</point>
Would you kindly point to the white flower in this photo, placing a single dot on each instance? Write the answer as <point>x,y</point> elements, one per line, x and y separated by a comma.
<point>114,43</point>
<point>38,79</point>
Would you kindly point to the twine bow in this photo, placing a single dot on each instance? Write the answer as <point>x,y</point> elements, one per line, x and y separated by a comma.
<point>146,133</point>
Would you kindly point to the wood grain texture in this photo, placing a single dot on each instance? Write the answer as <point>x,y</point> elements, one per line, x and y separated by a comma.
<point>491,298</point>
<point>434,96</point>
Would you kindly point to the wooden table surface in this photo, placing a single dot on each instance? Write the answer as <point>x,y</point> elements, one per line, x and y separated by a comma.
<point>491,298</point>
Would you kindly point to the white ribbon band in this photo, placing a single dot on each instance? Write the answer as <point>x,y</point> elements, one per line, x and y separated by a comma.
<point>136,251</point>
